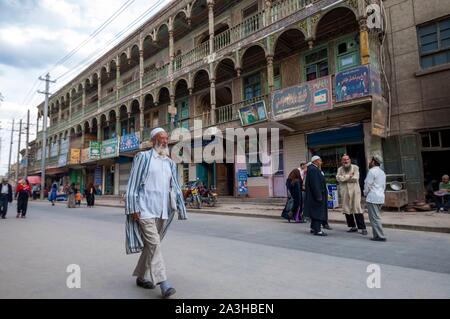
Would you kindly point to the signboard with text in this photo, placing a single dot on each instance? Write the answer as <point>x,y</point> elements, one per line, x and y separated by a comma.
<point>95,149</point>
<point>307,98</point>
<point>242,177</point>
<point>110,148</point>
<point>75,155</point>
<point>379,117</point>
<point>129,142</point>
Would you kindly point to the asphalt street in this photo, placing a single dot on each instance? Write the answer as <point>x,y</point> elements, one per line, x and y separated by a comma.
<point>211,256</point>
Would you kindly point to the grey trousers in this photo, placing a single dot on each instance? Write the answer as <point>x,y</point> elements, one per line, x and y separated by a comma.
<point>151,260</point>
<point>375,220</point>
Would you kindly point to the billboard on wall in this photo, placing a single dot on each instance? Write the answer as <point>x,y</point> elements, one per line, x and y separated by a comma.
<point>62,160</point>
<point>75,155</point>
<point>254,113</point>
<point>95,149</point>
<point>307,98</point>
<point>358,82</point>
<point>85,155</point>
<point>129,142</point>
<point>110,148</point>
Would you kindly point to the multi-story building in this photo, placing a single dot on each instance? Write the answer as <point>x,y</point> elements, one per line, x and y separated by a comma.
<point>312,68</point>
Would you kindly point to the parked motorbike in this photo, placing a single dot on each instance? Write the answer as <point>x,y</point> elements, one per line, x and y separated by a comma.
<point>196,195</point>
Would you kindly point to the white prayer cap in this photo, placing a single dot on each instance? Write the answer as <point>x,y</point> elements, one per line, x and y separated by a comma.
<point>156,131</point>
<point>315,158</point>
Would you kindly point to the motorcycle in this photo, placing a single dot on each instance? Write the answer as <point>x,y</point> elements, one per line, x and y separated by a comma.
<point>191,195</point>
<point>196,195</point>
<point>208,196</point>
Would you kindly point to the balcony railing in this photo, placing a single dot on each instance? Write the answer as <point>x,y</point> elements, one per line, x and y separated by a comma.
<point>154,75</point>
<point>192,56</point>
<point>77,100</point>
<point>230,113</point>
<point>111,97</point>
<point>279,10</point>
<point>91,108</point>
<point>129,88</point>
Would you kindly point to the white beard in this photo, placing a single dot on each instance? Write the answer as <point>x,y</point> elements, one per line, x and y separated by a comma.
<point>162,151</point>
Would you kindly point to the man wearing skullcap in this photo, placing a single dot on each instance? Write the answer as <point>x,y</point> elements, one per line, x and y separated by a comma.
<point>374,188</point>
<point>153,197</point>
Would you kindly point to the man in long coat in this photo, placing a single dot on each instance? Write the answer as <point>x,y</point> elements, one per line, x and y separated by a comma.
<point>316,199</point>
<point>153,197</point>
<point>350,193</point>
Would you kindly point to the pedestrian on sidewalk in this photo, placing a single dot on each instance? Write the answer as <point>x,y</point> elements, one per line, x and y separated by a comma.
<point>316,200</point>
<point>152,198</point>
<point>6,197</point>
<point>90,195</point>
<point>71,196</point>
<point>23,193</point>
<point>442,196</point>
<point>77,198</point>
<point>295,185</point>
<point>350,193</point>
<point>53,194</point>
<point>374,188</point>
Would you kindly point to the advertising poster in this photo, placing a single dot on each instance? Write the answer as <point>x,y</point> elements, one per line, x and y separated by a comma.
<point>110,148</point>
<point>352,84</point>
<point>129,142</point>
<point>95,150</point>
<point>242,177</point>
<point>307,98</point>
<point>254,113</point>
<point>75,155</point>
<point>379,117</point>
<point>333,197</point>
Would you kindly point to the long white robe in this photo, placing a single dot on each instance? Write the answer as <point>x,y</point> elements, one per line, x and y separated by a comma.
<point>349,190</point>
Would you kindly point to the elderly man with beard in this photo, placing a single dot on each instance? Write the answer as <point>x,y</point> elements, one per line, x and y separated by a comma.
<point>152,198</point>
<point>350,192</point>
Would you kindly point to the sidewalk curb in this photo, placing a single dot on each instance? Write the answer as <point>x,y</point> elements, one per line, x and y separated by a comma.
<point>443,230</point>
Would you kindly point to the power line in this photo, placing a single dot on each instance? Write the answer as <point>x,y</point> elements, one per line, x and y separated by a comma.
<point>97,31</point>
<point>96,55</point>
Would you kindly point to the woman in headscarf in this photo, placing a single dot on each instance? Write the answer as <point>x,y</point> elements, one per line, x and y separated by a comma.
<point>53,194</point>
<point>23,192</point>
<point>90,195</point>
<point>71,196</point>
<point>295,184</point>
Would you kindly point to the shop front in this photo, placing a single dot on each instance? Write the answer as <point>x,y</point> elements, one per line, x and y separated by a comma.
<point>109,153</point>
<point>332,144</point>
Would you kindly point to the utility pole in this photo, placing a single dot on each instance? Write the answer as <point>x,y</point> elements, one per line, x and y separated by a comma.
<point>10,150</point>
<point>18,153</point>
<point>27,154</point>
<point>44,130</point>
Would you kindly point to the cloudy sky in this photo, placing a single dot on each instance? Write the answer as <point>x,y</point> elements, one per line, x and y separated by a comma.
<point>36,34</point>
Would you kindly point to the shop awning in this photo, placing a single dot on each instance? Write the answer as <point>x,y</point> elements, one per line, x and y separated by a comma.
<point>56,171</point>
<point>34,179</point>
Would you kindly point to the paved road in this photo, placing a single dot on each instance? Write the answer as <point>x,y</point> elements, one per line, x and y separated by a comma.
<point>215,257</point>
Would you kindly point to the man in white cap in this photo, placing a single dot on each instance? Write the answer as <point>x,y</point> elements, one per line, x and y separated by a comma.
<point>316,197</point>
<point>374,188</point>
<point>152,198</point>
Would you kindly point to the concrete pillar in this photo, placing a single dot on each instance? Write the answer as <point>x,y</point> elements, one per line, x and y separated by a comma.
<point>213,101</point>
<point>270,72</point>
<point>118,82</point>
<point>99,89</point>
<point>116,179</point>
<point>141,123</point>
<point>141,68</point>
<point>211,25</point>
<point>118,128</point>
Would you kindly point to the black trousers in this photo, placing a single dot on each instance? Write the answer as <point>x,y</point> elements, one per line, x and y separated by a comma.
<point>22,205</point>
<point>3,205</point>
<point>359,221</point>
<point>316,225</point>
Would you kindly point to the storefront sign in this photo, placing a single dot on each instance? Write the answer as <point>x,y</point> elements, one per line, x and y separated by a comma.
<point>110,148</point>
<point>75,155</point>
<point>352,84</point>
<point>129,142</point>
<point>62,160</point>
<point>95,150</point>
<point>310,97</point>
<point>242,178</point>
<point>254,113</point>
<point>379,117</point>
<point>85,155</point>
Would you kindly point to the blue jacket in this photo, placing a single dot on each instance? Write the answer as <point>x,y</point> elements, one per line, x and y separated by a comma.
<point>138,176</point>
